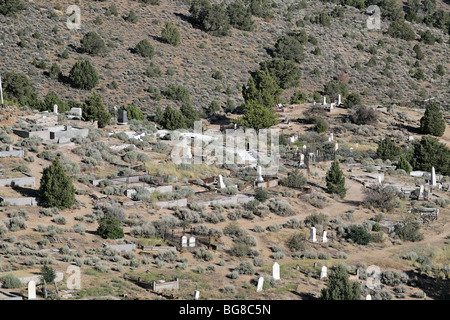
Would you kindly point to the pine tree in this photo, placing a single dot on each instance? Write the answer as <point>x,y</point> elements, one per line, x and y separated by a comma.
<point>56,188</point>
<point>109,228</point>
<point>429,152</point>
<point>93,44</point>
<point>339,287</point>
<point>433,121</point>
<point>93,109</point>
<point>336,180</point>
<point>262,88</point>
<point>404,164</point>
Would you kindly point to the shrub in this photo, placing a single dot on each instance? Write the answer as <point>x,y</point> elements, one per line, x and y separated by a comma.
<point>60,220</point>
<point>261,194</point>
<point>171,35</point>
<point>362,114</point>
<point>380,197</point>
<point>245,267</point>
<point>408,230</point>
<point>93,44</point>
<point>359,235</point>
<point>145,49</point>
<point>83,75</point>
<point>109,228</point>
<point>294,179</point>
<point>289,47</point>
<point>296,242</point>
<point>280,207</point>
<point>10,281</point>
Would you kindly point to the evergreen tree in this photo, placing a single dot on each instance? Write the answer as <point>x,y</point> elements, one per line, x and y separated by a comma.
<point>109,228</point>
<point>17,88</point>
<point>404,164</point>
<point>56,188</point>
<point>263,89</point>
<point>285,72</point>
<point>145,49</point>
<point>173,119</point>
<point>48,275</point>
<point>93,44</point>
<point>429,152</point>
<point>83,75</point>
<point>289,47</point>
<point>335,180</point>
<point>133,112</point>
<point>433,121</point>
<point>50,100</point>
<point>11,7</point>
<point>240,16</point>
<point>190,114</point>
<point>387,149</point>
<point>93,109</point>
<point>339,287</point>
<point>170,34</point>
<point>257,116</point>
<point>352,99</point>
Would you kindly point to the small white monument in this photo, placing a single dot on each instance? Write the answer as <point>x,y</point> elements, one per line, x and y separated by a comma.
<point>302,159</point>
<point>184,242</point>
<point>221,184</point>
<point>324,273</point>
<point>331,138</point>
<point>312,234</point>
<point>380,180</point>
<point>421,192</point>
<point>1,90</point>
<point>196,294</point>
<point>304,147</point>
<point>276,271</point>
<point>433,177</point>
<point>336,147</point>
<point>191,242</point>
<point>31,290</point>
<point>259,288</point>
<point>324,237</point>
<point>324,103</point>
<point>368,297</point>
<point>55,108</point>
<point>339,102</point>
<point>259,177</point>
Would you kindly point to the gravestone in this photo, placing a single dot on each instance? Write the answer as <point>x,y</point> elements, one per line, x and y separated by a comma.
<point>55,108</point>
<point>324,273</point>
<point>196,294</point>
<point>221,184</point>
<point>324,103</point>
<point>259,177</point>
<point>339,102</point>
<point>379,180</point>
<point>76,111</point>
<point>1,91</point>
<point>324,237</point>
<point>368,297</point>
<point>122,118</point>
<point>31,290</point>
<point>336,147</point>
<point>183,241</point>
<point>433,177</point>
<point>331,137</point>
<point>304,147</point>
<point>191,242</point>
<point>276,271</point>
<point>260,284</point>
<point>302,159</point>
<point>312,234</point>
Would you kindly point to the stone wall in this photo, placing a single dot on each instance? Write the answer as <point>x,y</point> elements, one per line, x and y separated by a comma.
<point>20,181</point>
<point>12,153</point>
<point>161,189</point>
<point>25,201</point>
<point>163,286</point>
<point>171,203</point>
<point>234,200</point>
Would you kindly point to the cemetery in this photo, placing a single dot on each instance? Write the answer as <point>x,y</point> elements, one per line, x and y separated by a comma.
<point>154,182</point>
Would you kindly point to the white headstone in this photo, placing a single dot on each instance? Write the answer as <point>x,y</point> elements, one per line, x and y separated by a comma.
<point>191,242</point>
<point>324,103</point>
<point>339,100</point>
<point>31,290</point>
<point>1,90</point>
<point>324,237</point>
<point>260,284</point>
<point>196,294</point>
<point>332,105</point>
<point>221,184</point>
<point>312,234</point>
<point>380,180</point>
<point>433,177</point>
<point>324,272</point>
<point>304,147</point>
<point>183,241</point>
<point>302,159</point>
<point>77,111</point>
<point>331,136</point>
<point>55,108</point>
<point>276,271</point>
<point>336,147</point>
<point>368,297</point>
<point>259,177</point>
<point>422,190</point>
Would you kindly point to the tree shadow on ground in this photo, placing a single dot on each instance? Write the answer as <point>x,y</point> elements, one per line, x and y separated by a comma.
<point>26,192</point>
<point>434,288</point>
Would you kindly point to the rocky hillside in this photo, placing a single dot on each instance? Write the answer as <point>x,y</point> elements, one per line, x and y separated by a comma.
<point>380,68</point>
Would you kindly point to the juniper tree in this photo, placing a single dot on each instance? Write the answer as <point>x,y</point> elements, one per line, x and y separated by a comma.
<point>335,180</point>
<point>93,109</point>
<point>404,164</point>
<point>83,75</point>
<point>170,34</point>
<point>387,149</point>
<point>339,287</point>
<point>56,189</point>
<point>433,121</point>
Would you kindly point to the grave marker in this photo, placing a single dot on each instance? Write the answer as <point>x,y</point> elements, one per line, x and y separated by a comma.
<point>260,284</point>
<point>31,290</point>
<point>276,271</point>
